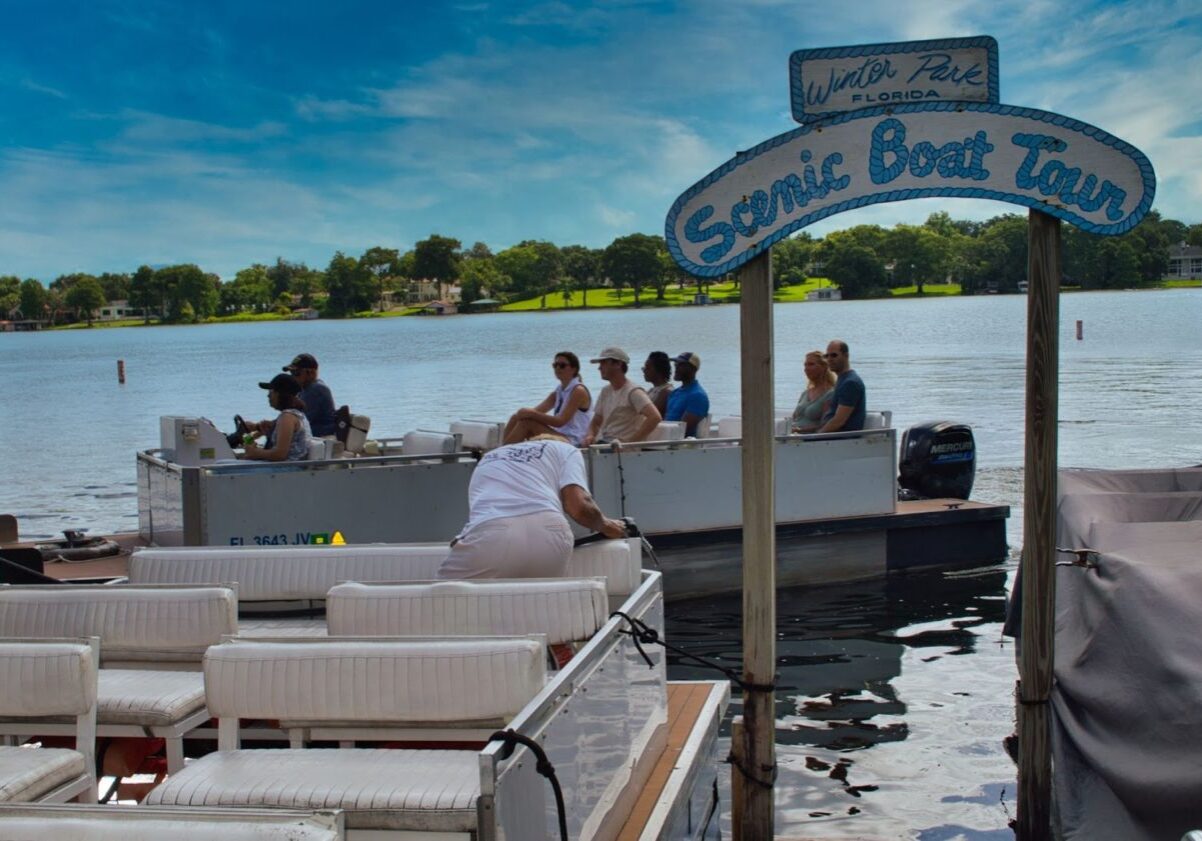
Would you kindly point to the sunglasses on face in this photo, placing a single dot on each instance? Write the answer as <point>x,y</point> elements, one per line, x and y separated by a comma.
<point>560,365</point>
<point>831,355</point>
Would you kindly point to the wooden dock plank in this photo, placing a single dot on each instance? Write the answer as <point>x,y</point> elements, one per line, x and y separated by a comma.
<point>685,702</point>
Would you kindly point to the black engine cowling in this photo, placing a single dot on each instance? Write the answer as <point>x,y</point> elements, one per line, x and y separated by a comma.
<point>938,459</point>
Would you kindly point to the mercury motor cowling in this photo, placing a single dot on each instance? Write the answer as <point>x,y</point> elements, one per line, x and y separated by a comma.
<point>938,460</point>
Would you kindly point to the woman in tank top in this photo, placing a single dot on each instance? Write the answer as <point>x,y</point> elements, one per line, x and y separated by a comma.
<point>566,411</point>
<point>288,438</point>
<point>820,388</point>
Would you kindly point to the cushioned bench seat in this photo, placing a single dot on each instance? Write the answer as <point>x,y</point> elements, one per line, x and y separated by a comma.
<point>145,633</point>
<point>148,698</point>
<point>562,609</point>
<point>285,626</point>
<point>277,573</point>
<point>358,689</point>
<point>28,774</point>
<point>290,573</point>
<point>41,678</point>
<point>379,788</point>
<point>136,823</point>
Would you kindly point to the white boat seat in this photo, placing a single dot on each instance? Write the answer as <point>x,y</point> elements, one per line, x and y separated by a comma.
<point>282,573</point>
<point>425,442</point>
<point>148,698</point>
<point>27,773</point>
<point>878,420</point>
<point>469,679</point>
<point>356,434</point>
<point>320,449</point>
<point>667,431</point>
<point>284,626</point>
<point>565,610</point>
<point>40,678</point>
<point>270,573</point>
<point>154,625</point>
<point>135,823</point>
<point>478,435</point>
<point>619,562</point>
<point>432,790</point>
<point>703,427</point>
<point>730,427</point>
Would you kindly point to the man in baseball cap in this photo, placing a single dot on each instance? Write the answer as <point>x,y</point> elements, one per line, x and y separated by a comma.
<point>623,412</point>
<point>689,403</point>
<point>315,394</point>
<point>615,353</point>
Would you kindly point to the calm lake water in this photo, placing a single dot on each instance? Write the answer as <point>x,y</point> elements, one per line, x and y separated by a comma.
<point>894,695</point>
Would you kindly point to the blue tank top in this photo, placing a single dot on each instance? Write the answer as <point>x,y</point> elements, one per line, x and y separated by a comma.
<point>576,428</point>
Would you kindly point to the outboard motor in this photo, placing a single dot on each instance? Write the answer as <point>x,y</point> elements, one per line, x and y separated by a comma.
<point>938,459</point>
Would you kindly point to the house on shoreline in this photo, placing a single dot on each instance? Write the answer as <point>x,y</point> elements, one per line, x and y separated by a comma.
<point>1185,262</point>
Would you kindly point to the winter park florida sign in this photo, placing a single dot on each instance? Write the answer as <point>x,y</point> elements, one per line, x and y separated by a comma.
<point>888,122</point>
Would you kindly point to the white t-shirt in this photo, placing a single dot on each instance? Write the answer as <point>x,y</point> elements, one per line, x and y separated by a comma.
<point>621,412</point>
<point>523,478</point>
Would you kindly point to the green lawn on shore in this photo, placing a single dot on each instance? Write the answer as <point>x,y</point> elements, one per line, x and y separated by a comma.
<point>674,296</point>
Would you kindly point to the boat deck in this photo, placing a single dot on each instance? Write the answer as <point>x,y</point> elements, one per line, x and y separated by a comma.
<point>685,704</point>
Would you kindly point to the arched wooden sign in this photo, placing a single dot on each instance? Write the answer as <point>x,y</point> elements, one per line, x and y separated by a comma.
<point>941,148</point>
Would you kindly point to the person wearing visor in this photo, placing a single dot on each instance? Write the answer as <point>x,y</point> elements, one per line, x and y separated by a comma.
<point>315,394</point>
<point>288,438</point>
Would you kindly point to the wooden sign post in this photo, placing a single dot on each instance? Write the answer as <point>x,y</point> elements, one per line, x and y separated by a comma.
<point>885,123</point>
<point>1039,528</point>
<point>754,748</point>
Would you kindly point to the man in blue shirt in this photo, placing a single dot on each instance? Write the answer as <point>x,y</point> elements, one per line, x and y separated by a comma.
<point>689,403</point>
<point>315,394</point>
<point>846,412</point>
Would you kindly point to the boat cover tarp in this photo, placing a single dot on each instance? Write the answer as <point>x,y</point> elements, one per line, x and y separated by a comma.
<point>1127,698</point>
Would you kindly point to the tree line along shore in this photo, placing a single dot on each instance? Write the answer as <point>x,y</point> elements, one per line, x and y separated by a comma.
<point>941,256</point>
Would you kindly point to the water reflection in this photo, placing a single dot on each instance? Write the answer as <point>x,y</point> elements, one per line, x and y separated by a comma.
<point>892,700</point>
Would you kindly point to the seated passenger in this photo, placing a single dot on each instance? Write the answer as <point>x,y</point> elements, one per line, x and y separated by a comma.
<point>315,394</point>
<point>847,408</point>
<point>566,411</point>
<point>657,370</point>
<point>288,439</point>
<point>689,403</point>
<point>518,498</point>
<point>814,400</point>
<point>624,412</point>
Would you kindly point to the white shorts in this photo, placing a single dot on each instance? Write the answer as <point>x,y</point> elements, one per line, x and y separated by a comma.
<point>530,546</point>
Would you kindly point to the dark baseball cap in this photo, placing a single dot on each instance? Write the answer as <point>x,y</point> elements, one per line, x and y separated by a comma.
<point>302,360</point>
<point>284,384</point>
<point>688,358</point>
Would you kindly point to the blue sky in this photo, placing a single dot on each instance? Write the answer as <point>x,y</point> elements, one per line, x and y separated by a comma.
<point>228,133</point>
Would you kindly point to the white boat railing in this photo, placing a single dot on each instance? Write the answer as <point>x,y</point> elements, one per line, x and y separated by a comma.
<point>601,720</point>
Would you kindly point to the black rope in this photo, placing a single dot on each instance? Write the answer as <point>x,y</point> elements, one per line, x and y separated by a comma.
<point>510,739</point>
<point>746,772</point>
<point>641,634</point>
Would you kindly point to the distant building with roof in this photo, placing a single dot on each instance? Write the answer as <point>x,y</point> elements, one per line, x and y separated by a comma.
<point>1185,261</point>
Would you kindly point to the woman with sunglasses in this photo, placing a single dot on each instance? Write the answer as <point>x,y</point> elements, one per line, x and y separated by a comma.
<point>288,438</point>
<point>566,411</point>
<point>820,388</point>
